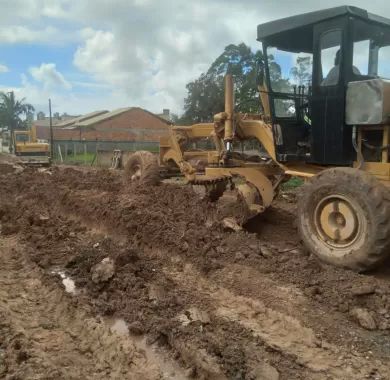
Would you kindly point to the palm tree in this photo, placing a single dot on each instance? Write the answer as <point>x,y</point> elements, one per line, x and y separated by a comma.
<point>12,111</point>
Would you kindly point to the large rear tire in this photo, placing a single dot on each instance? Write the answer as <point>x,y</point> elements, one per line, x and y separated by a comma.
<point>344,218</point>
<point>142,167</point>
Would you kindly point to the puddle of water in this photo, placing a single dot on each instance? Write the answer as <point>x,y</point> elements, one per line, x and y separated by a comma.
<point>168,368</point>
<point>69,284</point>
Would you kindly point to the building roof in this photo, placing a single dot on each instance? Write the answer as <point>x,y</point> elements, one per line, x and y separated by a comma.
<point>46,122</point>
<point>97,119</point>
<point>109,115</point>
<point>158,116</point>
<point>270,31</point>
<point>67,123</point>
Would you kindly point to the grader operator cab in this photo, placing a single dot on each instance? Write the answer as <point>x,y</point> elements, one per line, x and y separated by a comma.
<point>329,124</point>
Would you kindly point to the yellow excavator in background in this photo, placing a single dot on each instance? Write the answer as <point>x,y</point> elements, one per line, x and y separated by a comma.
<point>26,147</point>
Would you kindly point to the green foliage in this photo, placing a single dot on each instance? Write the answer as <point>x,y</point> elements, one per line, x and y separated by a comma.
<point>205,96</point>
<point>302,72</point>
<point>275,71</point>
<point>292,183</point>
<point>13,112</point>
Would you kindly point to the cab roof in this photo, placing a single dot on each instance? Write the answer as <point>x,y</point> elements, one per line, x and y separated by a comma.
<point>286,32</point>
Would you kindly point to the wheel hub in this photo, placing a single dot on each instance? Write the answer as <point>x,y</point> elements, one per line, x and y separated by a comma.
<point>136,173</point>
<point>337,221</point>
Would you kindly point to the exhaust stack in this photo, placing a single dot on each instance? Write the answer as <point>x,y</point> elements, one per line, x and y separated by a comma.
<point>229,107</point>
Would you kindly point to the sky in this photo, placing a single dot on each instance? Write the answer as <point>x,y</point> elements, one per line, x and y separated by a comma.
<point>89,55</point>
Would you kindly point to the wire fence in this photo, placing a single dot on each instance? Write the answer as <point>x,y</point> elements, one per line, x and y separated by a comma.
<point>95,152</point>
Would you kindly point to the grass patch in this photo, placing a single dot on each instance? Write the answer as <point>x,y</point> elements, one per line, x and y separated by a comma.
<point>78,159</point>
<point>292,184</point>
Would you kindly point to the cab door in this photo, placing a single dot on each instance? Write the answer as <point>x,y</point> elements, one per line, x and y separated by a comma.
<point>331,138</point>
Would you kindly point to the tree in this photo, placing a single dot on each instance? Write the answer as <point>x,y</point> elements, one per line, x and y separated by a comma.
<point>241,62</point>
<point>13,113</point>
<point>205,96</point>
<point>41,115</point>
<point>302,72</point>
<point>204,99</point>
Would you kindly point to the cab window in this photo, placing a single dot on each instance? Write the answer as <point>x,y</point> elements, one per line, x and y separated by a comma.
<point>22,137</point>
<point>330,57</point>
<point>361,54</point>
<point>290,77</point>
<point>371,51</point>
<point>384,62</point>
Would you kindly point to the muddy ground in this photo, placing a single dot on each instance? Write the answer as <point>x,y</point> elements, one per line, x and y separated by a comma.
<point>104,281</point>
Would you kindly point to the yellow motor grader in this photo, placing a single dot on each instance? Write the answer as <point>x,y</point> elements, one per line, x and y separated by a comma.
<point>332,130</point>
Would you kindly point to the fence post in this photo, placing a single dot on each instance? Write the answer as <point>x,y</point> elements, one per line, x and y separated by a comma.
<point>59,151</point>
<point>96,153</point>
<point>85,153</point>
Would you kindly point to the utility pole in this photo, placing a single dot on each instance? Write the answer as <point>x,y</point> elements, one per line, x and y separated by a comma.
<point>12,126</point>
<point>51,133</point>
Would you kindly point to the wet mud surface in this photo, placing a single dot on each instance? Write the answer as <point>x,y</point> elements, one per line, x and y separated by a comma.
<point>101,279</point>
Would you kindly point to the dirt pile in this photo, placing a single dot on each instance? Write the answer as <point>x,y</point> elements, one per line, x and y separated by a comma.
<point>221,304</point>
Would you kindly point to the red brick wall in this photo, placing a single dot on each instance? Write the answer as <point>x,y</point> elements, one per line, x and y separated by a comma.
<point>133,125</point>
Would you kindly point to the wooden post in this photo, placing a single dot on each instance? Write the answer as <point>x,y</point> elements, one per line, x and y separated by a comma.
<point>96,153</point>
<point>60,153</point>
<point>51,132</point>
<point>85,153</point>
<point>386,142</point>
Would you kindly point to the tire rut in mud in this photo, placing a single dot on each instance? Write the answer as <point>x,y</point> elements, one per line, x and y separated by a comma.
<point>43,334</point>
<point>145,221</point>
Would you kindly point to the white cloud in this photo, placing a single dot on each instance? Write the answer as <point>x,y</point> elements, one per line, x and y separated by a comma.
<point>21,34</point>
<point>49,35</point>
<point>3,69</point>
<point>49,76</point>
<point>63,101</point>
<point>150,50</point>
<point>98,53</point>
<point>147,54</point>
<point>140,52</point>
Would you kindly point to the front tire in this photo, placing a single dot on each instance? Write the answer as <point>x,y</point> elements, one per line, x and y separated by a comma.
<point>142,167</point>
<point>344,218</point>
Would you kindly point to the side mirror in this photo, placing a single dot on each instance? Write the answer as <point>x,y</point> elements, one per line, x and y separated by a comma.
<point>260,73</point>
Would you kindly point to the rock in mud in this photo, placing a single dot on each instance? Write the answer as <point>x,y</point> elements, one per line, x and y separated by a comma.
<point>364,318</point>
<point>363,290</point>
<point>103,271</point>
<point>198,315</point>
<point>231,224</point>
<point>136,328</point>
<point>239,256</point>
<point>18,169</point>
<point>264,372</point>
<point>266,252</point>
<point>45,171</point>
<point>193,314</point>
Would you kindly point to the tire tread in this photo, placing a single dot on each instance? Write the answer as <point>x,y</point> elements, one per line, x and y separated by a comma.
<point>379,195</point>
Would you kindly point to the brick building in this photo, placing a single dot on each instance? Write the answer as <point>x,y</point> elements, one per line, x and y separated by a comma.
<point>119,129</point>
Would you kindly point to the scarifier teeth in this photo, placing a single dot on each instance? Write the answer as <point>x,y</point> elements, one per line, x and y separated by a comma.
<point>210,181</point>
